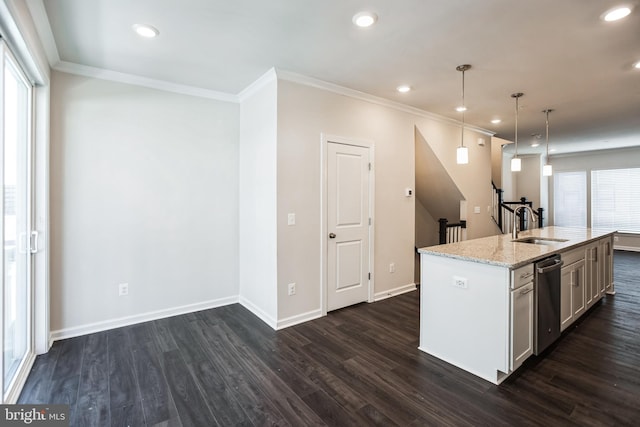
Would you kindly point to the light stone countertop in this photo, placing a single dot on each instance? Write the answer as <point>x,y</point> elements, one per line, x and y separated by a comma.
<point>502,251</point>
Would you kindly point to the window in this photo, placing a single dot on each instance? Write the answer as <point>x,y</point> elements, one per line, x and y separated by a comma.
<point>615,199</point>
<point>570,199</point>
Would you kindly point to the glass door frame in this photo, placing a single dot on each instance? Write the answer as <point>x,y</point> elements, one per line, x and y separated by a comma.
<point>25,364</point>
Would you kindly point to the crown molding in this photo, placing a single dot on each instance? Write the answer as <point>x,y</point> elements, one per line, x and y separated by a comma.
<point>352,93</point>
<point>258,84</point>
<point>43,28</point>
<point>115,76</point>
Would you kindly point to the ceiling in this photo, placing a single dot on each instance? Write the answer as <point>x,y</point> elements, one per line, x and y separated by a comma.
<point>560,54</point>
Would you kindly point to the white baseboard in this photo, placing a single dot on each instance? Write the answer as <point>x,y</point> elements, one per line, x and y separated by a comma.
<point>261,314</point>
<point>299,318</point>
<point>379,296</point>
<point>138,318</point>
<point>626,248</point>
<point>105,325</point>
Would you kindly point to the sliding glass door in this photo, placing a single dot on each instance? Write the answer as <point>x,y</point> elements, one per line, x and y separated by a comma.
<point>15,121</point>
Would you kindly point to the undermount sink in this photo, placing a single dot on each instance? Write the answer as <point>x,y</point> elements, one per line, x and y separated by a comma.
<point>539,240</point>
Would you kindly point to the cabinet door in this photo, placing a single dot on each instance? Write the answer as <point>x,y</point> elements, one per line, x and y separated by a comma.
<point>592,278</point>
<point>578,285</point>
<point>566,286</point>
<point>606,265</point>
<point>521,324</point>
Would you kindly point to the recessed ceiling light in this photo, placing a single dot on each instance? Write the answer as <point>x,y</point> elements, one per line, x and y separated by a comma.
<point>637,65</point>
<point>461,109</point>
<point>616,13</point>
<point>145,30</point>
<point>496,121</point>
<point>403,88</point>
<point>364,19</point>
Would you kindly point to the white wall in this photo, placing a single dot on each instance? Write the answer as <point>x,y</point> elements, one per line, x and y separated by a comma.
<point>427,234</point>
<point>594,160</point>
<point>427,231</point>
<point>144,190</point>
<point>304,113</point>
<point>496,159</point>
<point>153,189</point>
<point>258,252</point>
<point>473,179</point>
<point>528,181</point>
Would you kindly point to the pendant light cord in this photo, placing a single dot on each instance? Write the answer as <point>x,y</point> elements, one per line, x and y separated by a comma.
<point>517,97</point>
<point>516,137</point>
<point>463,111</point>
<point>547,111</point>
<point>462,68</point>
<point>547,126</point>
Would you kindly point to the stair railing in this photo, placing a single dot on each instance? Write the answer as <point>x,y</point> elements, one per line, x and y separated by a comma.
<point>450,233</point>
<point>502,212</point>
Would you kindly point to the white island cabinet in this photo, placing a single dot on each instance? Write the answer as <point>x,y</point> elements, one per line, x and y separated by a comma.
<point>478,296</point>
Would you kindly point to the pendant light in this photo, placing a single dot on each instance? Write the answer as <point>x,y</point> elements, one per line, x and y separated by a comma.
<point>516,164</point>
<point>462,153</point>
<point>547,170</point>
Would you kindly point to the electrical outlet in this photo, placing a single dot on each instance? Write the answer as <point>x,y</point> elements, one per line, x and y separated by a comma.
<point>292,289</point>
<point>459,282</point>
<point>123,289</point>
<point>392,268</point>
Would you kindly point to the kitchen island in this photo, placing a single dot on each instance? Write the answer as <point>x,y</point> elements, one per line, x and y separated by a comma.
<point>477,296</point>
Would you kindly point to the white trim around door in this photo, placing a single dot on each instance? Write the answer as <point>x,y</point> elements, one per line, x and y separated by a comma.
<point>325,139</point>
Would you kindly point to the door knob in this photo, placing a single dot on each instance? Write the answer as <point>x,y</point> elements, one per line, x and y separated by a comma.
<point>332,235</point>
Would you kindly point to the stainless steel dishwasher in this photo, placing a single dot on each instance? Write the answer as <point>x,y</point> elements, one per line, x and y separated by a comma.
<point>547,303</point>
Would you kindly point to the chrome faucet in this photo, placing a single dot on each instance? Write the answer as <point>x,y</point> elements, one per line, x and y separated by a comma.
<point>514,230</point>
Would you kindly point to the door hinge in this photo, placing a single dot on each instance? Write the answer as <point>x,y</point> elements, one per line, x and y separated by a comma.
<point>369,221</point>
<point>369,166</point>
<point>369,276</point>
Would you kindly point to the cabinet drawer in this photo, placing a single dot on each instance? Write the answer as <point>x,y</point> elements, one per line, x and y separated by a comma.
<point>574,255</point>
<point>521,276</point>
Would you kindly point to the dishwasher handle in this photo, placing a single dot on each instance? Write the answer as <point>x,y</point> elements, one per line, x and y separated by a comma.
<point>556,265</point>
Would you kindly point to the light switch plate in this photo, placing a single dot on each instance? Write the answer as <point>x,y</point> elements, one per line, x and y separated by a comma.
<point>291,219</point>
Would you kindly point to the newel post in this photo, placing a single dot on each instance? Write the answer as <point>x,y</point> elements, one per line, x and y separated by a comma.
<point>540,218</point>
<point>443,230</point>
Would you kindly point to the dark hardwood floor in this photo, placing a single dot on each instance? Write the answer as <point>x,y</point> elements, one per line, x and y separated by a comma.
<point>356,367</point>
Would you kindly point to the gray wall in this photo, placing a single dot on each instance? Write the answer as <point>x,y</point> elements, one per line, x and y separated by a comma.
<point>144,190</point>
<point>258,200</point>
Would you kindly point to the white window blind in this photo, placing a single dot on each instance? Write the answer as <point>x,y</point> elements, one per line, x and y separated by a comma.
<point>570,199</point>
<point>615,199</point>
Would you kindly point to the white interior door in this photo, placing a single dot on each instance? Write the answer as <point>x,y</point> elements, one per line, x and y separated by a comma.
<point>348,224</point>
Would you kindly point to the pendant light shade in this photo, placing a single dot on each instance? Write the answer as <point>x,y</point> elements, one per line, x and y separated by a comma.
<point>547,170</point>
<point>462,153</point>
<point>516,164</point>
